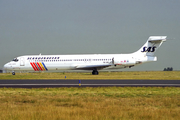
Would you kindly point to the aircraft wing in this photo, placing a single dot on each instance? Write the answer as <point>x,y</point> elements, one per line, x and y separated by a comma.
<point>91,67</point>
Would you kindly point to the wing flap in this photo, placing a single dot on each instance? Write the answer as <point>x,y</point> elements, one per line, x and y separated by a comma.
<point>91,67</point>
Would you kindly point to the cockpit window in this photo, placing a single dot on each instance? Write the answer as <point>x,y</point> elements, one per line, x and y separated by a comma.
<point>15,60</point>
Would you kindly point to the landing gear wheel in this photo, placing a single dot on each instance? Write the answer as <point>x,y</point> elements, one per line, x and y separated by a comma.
<point>13,73</point>
<point>95,72</point>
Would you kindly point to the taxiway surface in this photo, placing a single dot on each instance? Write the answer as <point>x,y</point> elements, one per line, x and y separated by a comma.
<point>88,83</point>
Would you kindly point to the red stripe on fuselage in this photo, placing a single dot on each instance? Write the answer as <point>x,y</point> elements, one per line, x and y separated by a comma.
<point>39,66</point>
<point>33,66</point>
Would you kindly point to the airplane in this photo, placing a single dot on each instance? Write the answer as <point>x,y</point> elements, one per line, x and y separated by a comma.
<point>93,62</point>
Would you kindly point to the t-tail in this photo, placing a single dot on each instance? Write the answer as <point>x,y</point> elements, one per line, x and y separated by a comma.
<point>151,46</point>
<point>146,52</point>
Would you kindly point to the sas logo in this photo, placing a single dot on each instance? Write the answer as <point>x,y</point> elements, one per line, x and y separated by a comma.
<point>149,49</point>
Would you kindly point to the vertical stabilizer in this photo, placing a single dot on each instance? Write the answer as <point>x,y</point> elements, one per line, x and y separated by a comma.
<point>151,46</point>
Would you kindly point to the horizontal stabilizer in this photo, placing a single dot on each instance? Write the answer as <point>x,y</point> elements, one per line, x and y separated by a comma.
<point>157,38</point>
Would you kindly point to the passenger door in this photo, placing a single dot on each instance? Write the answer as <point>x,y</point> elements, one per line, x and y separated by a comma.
<point>22,61</point>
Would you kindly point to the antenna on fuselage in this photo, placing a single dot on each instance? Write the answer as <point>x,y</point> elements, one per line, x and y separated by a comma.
<point>40,54</point>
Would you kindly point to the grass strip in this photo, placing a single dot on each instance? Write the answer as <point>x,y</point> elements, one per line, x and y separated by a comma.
<point>148,75</point>
<point>101,103</point>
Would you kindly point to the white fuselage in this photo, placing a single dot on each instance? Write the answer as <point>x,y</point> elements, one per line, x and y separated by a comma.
<point>93,62</point>
<point>73,62</point>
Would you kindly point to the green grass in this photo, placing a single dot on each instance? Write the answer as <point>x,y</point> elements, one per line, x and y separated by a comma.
<point>90,103</point>
<point>161,75</point>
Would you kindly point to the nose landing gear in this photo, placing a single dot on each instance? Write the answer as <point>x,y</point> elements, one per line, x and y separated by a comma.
<point>13,73</point>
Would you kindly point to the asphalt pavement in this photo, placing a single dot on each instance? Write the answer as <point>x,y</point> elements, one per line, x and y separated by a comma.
<point>88,83</point>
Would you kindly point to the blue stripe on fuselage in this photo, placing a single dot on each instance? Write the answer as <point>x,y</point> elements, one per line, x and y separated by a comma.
<point>44,66</point>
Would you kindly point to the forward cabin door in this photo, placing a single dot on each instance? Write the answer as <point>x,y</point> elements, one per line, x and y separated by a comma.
<point>22,61</point>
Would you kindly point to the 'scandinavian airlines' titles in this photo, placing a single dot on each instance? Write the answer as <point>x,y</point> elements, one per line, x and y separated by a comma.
<point>92,62</point>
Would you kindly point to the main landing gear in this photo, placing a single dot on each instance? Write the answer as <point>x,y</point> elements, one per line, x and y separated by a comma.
<point>95,72</point>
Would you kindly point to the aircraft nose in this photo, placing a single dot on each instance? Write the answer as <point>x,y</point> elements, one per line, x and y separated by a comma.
<point>6,66</point>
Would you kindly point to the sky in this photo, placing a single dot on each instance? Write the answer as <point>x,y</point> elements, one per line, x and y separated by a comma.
<point>31,27</point>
